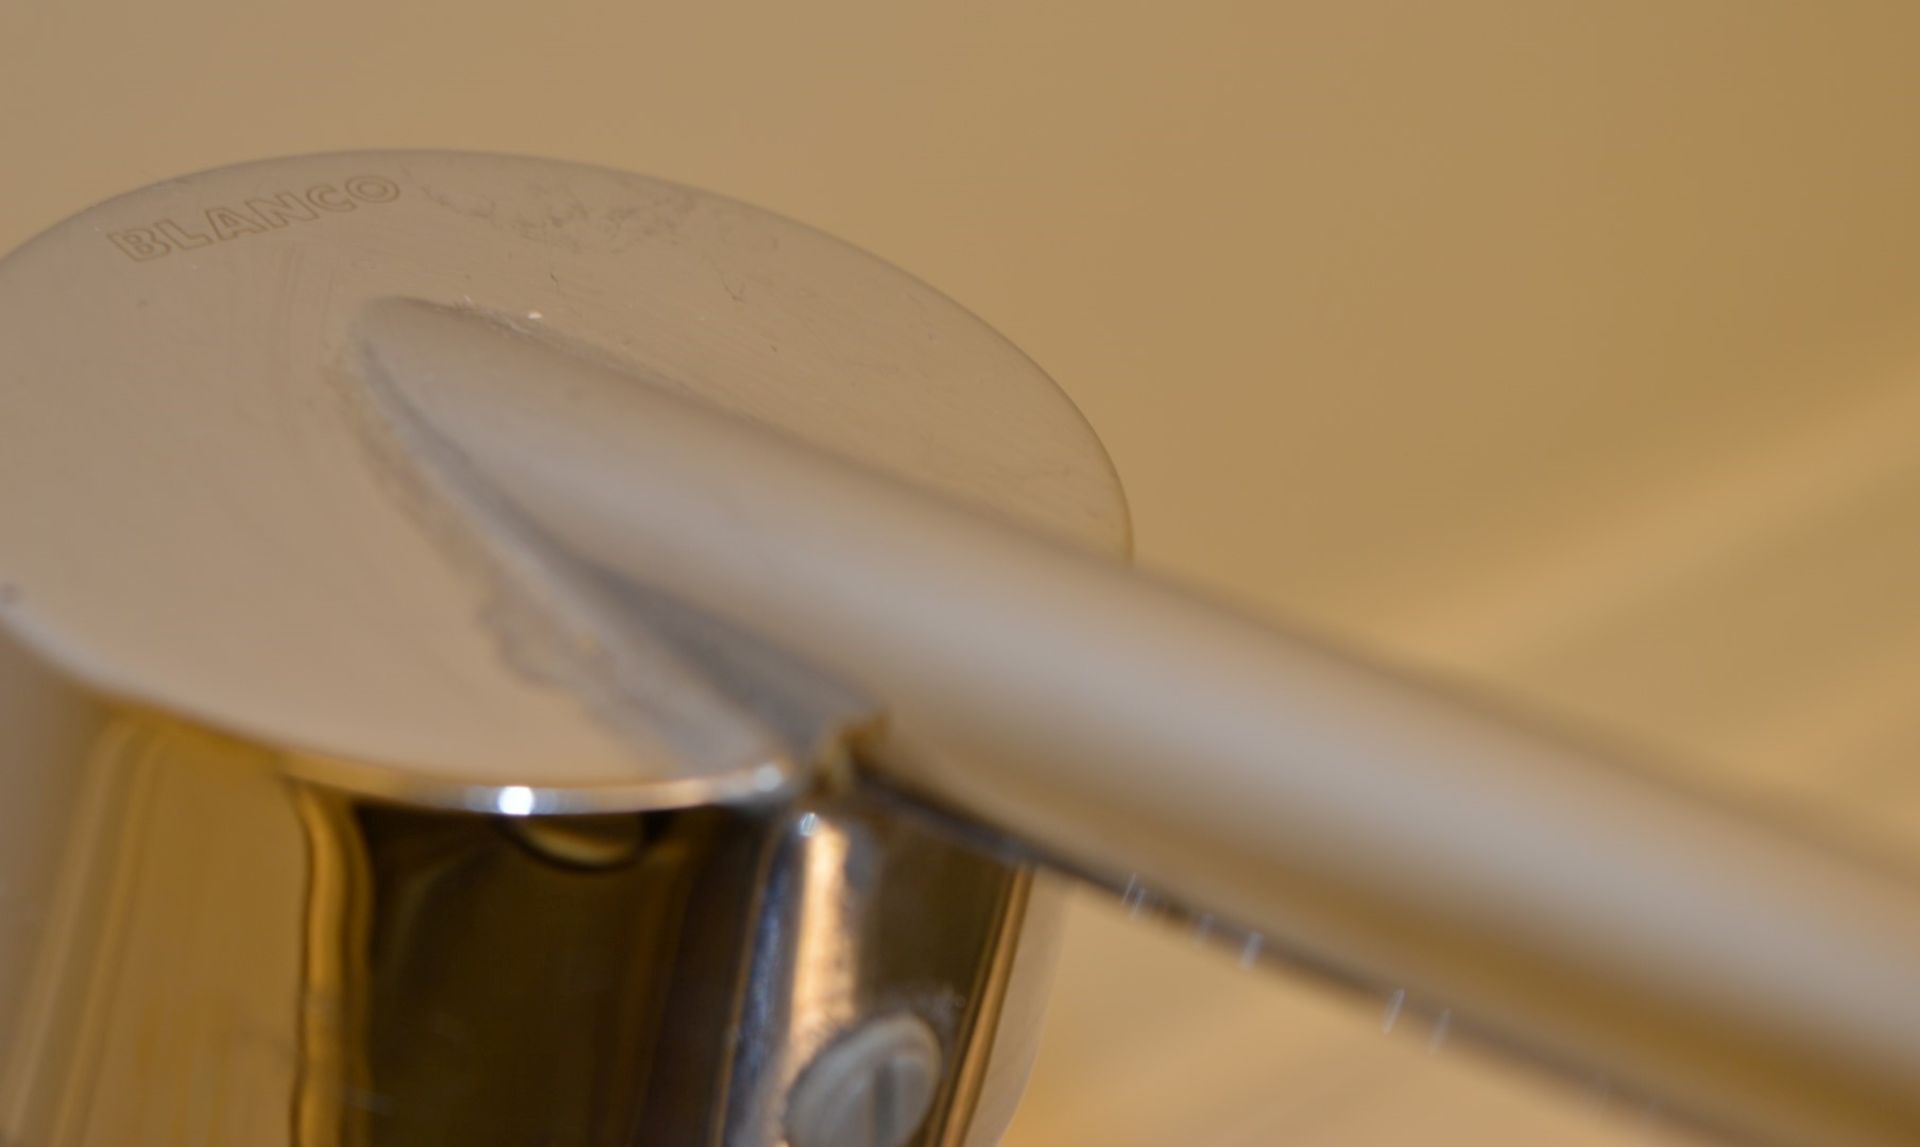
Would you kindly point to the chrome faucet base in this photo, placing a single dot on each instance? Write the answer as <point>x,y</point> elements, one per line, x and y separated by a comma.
<point>237,956</point>
<point>315,835</point>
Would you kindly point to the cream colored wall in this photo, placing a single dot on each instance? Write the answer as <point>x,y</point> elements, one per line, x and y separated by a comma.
<point>1567,347</point>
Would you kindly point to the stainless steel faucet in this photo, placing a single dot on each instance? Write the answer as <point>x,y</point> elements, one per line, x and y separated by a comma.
<point>509,652</point>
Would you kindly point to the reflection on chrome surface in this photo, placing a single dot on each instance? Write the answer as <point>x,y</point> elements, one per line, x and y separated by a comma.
<point>234,956</point>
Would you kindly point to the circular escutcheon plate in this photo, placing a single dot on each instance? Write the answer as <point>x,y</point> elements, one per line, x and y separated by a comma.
<point>189,519</point>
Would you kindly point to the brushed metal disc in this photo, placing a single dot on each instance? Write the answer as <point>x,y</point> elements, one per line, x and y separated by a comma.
<point>190,519</point>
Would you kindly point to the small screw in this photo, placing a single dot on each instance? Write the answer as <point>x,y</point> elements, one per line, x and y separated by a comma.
<point>870,1088</point>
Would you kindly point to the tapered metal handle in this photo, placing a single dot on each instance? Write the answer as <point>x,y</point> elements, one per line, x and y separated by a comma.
<point>1346,812</point>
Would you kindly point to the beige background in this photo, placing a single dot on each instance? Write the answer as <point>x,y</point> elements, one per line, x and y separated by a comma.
<point>1568,347</point>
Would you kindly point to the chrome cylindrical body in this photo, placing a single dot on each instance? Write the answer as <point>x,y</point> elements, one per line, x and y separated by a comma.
<point>226,954</point>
